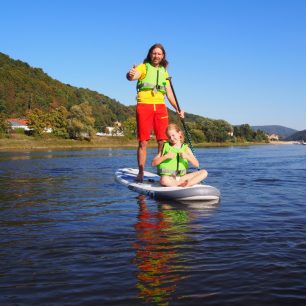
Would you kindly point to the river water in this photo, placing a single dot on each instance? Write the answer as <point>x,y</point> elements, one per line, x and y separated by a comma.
<point>70,235</point>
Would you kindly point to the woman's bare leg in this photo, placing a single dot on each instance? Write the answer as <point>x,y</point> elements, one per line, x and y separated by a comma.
<point>141,158</point>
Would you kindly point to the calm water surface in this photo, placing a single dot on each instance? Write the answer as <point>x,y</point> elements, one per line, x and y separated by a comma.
<point>70,235</point>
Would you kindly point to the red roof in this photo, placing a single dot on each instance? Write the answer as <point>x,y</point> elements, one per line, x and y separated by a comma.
<point>18,121</point>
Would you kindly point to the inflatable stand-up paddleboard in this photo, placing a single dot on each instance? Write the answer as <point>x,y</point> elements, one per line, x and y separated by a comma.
<point>152,188</point>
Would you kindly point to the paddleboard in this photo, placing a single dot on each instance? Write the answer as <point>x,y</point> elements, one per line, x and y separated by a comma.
<point>152,188</point>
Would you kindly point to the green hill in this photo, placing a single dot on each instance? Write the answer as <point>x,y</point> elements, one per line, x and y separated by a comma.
<point>282,131</point>
<point>23,87</point>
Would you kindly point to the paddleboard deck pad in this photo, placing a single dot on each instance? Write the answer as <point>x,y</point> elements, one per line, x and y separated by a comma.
<point>152,188</point>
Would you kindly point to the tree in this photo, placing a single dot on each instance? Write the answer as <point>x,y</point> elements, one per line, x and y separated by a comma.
<point>39,121</point>
<point>197,135</point>
<point>129,127</point>
<point>59,122</point>
<point>209,129</point>
<point>245,132</point>
<point>4,125</point>
<point>261,136</point>
<point>223,130</point>
<point>81,121</point>
<point>2,105</point>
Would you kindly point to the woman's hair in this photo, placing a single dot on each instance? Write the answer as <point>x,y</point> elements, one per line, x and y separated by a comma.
<point>164,61</point>
<point>173,126</point>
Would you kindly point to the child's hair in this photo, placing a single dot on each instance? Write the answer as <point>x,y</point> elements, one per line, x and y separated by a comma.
<point>173,126</point>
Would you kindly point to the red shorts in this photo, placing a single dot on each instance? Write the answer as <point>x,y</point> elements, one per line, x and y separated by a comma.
<point>151,117</point>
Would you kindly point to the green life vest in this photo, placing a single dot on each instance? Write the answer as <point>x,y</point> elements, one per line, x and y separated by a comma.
<point>155,79</point>
<point>175,166</point>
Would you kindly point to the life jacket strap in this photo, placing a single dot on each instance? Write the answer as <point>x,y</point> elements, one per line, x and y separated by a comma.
<point>163,171</point>
<point>149,86</point>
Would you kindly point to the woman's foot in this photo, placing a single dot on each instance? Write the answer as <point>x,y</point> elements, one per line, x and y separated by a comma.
<point>139,178</point>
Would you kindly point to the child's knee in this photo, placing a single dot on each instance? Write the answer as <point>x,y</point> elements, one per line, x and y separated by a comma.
<point>163,180</point>
<point>204,173</point>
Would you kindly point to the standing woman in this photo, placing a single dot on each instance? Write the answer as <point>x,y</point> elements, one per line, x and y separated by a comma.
<point>151,110</point>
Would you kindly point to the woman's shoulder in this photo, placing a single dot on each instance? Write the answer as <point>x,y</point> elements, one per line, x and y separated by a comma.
<point>141,67</point>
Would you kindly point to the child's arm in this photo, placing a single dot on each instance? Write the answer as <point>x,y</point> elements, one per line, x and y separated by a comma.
<point>190,157</point>
<point>159,158</point>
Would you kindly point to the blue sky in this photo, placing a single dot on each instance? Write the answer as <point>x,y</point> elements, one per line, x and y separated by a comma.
<point>238,60</point>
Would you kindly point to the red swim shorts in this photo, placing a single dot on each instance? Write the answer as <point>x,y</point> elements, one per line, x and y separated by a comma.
<point>151,117</point>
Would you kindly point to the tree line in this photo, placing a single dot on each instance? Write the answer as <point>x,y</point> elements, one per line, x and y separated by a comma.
<point>79,123</point>
<point>204,130</point>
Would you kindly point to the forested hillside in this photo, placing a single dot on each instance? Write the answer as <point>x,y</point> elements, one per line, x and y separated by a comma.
<point>23,88</point>
<point>71,112</point>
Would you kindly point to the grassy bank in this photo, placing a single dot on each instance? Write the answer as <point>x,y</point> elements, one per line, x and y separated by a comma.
<point>19,142</point>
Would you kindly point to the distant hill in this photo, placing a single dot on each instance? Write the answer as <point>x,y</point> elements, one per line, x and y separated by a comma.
<point>282,131</point>
<point>301,135</point>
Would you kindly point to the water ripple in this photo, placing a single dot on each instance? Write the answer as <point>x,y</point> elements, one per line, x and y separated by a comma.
<point>70,235</point>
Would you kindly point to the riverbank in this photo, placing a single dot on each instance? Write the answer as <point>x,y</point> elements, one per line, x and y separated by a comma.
<point>284,142</point>
<point>19,142</point>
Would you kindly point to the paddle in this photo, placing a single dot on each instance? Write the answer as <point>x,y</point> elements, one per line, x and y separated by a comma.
<point>187,134</point>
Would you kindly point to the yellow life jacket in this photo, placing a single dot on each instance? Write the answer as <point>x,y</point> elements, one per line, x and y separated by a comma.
<point>176,166</point>
<point>155,79</point>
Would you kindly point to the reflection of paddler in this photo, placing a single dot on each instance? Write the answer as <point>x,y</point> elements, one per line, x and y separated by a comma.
<point>156,254</point>
<point>176,216</point>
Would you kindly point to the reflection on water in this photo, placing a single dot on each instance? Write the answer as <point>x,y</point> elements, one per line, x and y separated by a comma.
<point>204,207</point>
<point>161,237</point>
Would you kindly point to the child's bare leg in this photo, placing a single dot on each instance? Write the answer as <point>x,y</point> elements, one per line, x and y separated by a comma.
<point>183,183</point>
<point>168,181</point>
<point>189,179</point>
<point>195,177</point>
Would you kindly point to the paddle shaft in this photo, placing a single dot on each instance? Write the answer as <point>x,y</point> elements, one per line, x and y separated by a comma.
<point>188,136</point>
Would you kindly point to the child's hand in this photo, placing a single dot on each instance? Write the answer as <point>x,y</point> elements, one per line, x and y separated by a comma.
<point>170,155</point>
<point>184,155</point>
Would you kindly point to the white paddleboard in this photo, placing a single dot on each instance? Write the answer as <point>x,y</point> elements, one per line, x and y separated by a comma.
<point>152,188</point>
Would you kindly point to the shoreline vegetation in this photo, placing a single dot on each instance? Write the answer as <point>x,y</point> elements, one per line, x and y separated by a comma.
<point>18,142</point>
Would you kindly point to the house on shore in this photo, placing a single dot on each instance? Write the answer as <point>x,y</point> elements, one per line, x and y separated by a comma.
<point>273,137</point>
<point>115,130</point>
<point>17,123</point>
